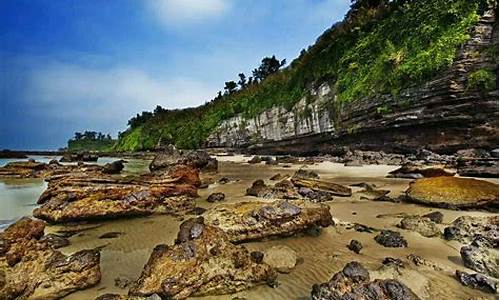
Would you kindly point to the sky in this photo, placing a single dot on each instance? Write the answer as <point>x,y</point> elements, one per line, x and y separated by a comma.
<point>75,65</point>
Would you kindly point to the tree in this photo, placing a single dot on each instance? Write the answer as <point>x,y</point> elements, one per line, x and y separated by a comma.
<point>78,136</point>
<point>268,66</point>
<point>230,87</point>
<point>108,136</point>
<point>243,80</point>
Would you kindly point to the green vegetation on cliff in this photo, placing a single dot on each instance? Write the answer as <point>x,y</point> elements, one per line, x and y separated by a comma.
<point>91,141</point>
<point>381,46</point>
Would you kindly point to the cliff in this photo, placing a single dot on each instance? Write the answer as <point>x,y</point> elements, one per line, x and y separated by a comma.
<point>457,109</point>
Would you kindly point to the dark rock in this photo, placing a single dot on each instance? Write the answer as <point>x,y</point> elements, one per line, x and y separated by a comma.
<point>305,174</point>
<point>224,180</point>
<point>272,162</point>
<point>113,168</point>
<point>413,171</point>
<point>477,281</point>
<point>12,154</point>
<point>315,196</point>
<point>389,238</point>
<point>198,211</point>
<point>480,259</point>
<point>111,235</point>
<point>392,261</point>
<point>257,256</point>
<point>255,160</point>
<point>435,216</point>
<point>355,246</point>
<point>79,157</point>
<point>216,197</point>
<point>55,241</point>
<point>353,282</point>
<point>467,228</point>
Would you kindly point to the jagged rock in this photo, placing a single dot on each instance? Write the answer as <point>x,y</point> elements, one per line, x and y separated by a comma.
<point>423,226</point>
<point>478,167</point>
<point>466,228</point>
<point>478,281</point>
<point>77,157</point>
<point>261,190</point>
<point>224,180</point>
<point>30,268</point>
<point>389,238</point>
<point>215,197</point>
<point>92,196</point>
<point>480,258</point>
<point>305,174</point>
<point>353,282</point>
<point>255,160</point>
<point>257,220</point>
<point>413,171</point>
<point>282,258</point>
<point>355,246</point>
<point>315,196</point>
<point>453,192</point>
<point>113,168</point>
<point>325,186</point>
<point>202,262</point>
<point>55,241</point>
<point>393,261</point>
<point>435,216</point>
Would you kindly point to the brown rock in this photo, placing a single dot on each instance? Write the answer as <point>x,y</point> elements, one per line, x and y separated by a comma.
<point>413,171</point>
<point>325,186</point>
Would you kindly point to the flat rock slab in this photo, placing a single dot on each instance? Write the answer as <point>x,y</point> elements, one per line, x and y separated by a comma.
<point>326,186</point>
<point>33,169</point>
<point>83,197</point>
<point>282,258</point>
<point>31,268</point>
<point>203,261</point>
<point>453,192</point>
<point>258,220</point>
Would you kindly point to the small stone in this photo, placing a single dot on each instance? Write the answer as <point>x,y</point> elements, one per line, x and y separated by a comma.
<point>216,197</point>
<point>435,216</point>
<point>392,261</point>
<point>224,180</point>
<point>257,256</point>
<point>355,246</point>
<point>122,282</point>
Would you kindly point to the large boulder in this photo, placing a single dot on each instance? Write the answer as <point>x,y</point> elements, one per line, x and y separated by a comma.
<point>31,268</point>
<point>114,167</point>
<point>424,226</point>
<point>257,220</point>
<point>353,282</point>
<point>262,190</point>
<point>87,196</point>
<point>479,257</point>
<point>453,192</point>
<point>199,159</point>
<point>202,261</point>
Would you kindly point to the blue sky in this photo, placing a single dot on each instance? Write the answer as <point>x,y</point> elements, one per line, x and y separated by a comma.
<point>68,65</point>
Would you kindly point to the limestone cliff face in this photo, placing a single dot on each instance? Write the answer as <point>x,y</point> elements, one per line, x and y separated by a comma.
<point>443,115</point>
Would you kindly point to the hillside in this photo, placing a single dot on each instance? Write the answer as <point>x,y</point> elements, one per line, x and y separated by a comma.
<point>379,51</point>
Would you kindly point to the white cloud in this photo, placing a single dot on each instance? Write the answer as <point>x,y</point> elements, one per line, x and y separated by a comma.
<point>108,97</point>
<point>172,13</point>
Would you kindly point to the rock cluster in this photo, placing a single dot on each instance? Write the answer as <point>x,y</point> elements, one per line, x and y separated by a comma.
<point>31,268</point>
<point>256,220</point>
<point>203,261</point>
<point>353,282</point>
<point>34,169</point>
<point>84,196</point>
<point>171,157</point>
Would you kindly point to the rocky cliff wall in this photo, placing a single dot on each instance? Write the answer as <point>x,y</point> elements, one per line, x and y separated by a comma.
<point>443,115</point>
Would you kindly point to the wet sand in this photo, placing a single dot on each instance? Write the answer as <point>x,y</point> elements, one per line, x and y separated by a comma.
<point>322,256</point>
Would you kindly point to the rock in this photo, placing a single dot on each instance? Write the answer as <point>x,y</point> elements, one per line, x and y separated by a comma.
<point>55,241</point>
<point>305,174</point>
<point>282,258</point>
<point>389,238</point>
<point>424,226</point>
<point>453,192</point>
<point>435,216</point>
<point>198,211</point>
<point>371,193</point>
<point>79,157</point>
<point>31,268</point>
<point>224,180</point>
<point>413,171</point>
<point>113,168</point>
<point>315,196</point>
<point>353,163</point>
<point>122,282</point>
<point>478,167</point>
<point>353,282</point>
<point>355,246</point>
<point>480,259</point>
<point>111,235</point>
<point>255,160</point>
<point>478,281</point>
<point>12,154</point>
<point>33,169</point>
<point>215,197</point>
<point>257,256</point>
<point>325,186</point>
<point>206,263</point>
<point>255,220</point>
<point>199,159</point>
<point>279,191</point>
<point>87,196</point>
<point>393,261</point>
<point>466,228</point>
<point>271,162</point>
<point>277,177</point>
